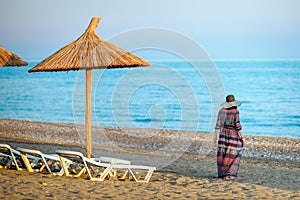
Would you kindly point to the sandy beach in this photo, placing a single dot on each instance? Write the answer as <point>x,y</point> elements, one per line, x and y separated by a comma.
<point>185,161</point>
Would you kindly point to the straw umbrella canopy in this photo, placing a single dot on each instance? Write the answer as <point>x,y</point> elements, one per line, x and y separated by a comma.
<point>7,58</point>
<point>86,53</point>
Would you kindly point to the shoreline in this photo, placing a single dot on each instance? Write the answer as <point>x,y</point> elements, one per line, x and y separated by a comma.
<point>169,142</point>
<point>269,168</point>
<point>82,126</point>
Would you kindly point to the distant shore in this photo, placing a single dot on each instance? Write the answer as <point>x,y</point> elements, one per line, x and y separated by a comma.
<point>185,162</point>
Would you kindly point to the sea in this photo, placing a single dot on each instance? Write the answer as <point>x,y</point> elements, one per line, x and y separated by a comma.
<point>174,95</point>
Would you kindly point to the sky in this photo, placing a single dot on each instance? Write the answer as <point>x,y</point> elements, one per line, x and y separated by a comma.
<point>231,29</point>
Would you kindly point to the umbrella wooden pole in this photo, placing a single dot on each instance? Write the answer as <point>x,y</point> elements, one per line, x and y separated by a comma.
<point>88,126</point>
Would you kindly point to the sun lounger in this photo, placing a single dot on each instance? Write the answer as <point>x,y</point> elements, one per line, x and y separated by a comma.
<point>11,158</point>
<point>98,171</point>
<point>50,162</point>
<point>81,166</point>
<point>77,168</point>
<point>139,173</point>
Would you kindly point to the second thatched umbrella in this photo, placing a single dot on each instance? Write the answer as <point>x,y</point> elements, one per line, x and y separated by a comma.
<point>7,58</point>
<point>86,53</point>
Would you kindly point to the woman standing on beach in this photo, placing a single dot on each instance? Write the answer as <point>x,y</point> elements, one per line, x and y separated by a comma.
<point>230,140</point>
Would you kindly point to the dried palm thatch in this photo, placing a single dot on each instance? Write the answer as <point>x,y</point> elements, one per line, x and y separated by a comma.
<point>7,58</point>
<point>89,52</point>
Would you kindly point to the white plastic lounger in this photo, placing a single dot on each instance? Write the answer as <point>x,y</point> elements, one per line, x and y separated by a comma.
<point>77,168</point>
<point>12,158</point>
<point>49,161</point>
<point>81,165</point>
<point>98,171</point>
<point>140,173</point>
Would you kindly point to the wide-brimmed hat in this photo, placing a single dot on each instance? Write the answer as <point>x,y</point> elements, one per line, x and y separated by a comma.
<point>230,102</point>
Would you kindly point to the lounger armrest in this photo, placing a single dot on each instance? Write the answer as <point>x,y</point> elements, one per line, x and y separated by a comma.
<point>30,152</point>
<point>66,152</point>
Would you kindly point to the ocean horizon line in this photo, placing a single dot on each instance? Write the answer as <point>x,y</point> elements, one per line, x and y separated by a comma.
<point>205,60</point>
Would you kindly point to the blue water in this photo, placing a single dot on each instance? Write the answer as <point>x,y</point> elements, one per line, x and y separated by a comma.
<point>168,95</point>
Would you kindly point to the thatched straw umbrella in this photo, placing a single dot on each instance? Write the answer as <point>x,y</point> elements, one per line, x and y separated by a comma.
<point>86,53</point>
<point>7,58</point>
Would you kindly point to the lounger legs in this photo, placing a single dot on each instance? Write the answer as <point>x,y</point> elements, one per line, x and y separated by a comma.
<point>66,165</point>
<point>144,180</point>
